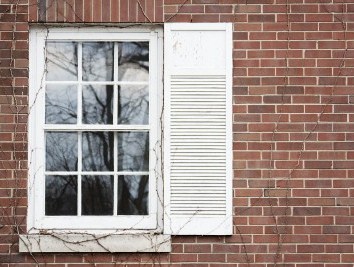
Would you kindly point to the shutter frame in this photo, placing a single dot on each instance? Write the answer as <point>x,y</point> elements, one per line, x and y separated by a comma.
<point>190,67</point>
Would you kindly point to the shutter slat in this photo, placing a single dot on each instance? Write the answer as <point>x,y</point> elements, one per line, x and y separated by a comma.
<point>198,137</point>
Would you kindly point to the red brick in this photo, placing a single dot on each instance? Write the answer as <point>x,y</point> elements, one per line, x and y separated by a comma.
<point>204,18</point>
<point>318,146</point>
<point>332,137</point>
<point>191,9</point>
<point>197,248</point>
<point>297,257</point>
<point>339,248</point>
<point>290,17</point>
<point>277,26</point>
<point>308,229</point>
<point>218,9</point>
<point>334,192</point>
<point>211,257</point>
<point>323,220</point>
<point>272,62</point>
<point>335,211</point>
<point>321,201</point>
<point>289,220</point>
<point>310,248</point>
<point>226,248</point>
<point>345,238</point>
<point>323,238</point>
<point>326,258</point>
<point>318,164</point>
<point>241,257</point>
<point>331,26</point>
<point>260,54</point>
<point>183,257</point>
<point>308,26</point>
<point>261,72</point>
<point>336,230</point>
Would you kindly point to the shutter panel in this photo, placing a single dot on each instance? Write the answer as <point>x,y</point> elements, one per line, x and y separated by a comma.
<point>198,129</point>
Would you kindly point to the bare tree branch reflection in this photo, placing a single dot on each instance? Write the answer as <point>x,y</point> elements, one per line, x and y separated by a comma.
<point>61,195</point>
<point>61,61</point>
<point>133,194</point>
<point>97,151</point>
<point>133,104</point>
<point>97,104</point>
<point>61,104</point>
<point>133,151</point>
<point>61,151</point>
<point>97,61</point>
<point>133,55</point>
<point>97,195</point>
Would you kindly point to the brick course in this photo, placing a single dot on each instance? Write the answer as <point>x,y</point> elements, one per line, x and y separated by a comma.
<point>293,129</point>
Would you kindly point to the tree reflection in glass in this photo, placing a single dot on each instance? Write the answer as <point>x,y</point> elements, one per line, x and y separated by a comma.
<point>97,61</point>
<point>133,151</point>
<point>97,104</point>
<point>61,151</point>
<point>61,61</point>
<point>60,195</point>
<point>133,191</point>
<point>97,195</point>
<point>133,61</point>
<point>61,104</point>
<point>133,104</point>
<point>97,151</point>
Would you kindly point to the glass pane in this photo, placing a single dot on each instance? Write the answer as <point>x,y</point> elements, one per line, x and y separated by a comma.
<point>60,195</point>
<point>97,104</point>
<point>97,61</point>
<point>61,104</point>
<point>97,195</point>
<point>133,192</point>
<point>61,61</point>
<point>97,151</point>
<point>133,61</point>
<point>133,151</point>
<point>133,104</point>
<point>61,151</point>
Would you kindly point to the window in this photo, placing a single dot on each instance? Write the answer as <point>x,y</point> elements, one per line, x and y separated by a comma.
<point>94,129</point>
<point>111,151</point>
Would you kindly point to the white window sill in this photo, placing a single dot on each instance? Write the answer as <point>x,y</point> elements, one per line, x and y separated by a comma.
<point>94,243</point>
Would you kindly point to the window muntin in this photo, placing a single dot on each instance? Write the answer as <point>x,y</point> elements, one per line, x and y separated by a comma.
<point>99,113</point>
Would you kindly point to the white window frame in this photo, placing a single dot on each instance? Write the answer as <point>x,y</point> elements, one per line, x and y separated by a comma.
<point>37,222</point>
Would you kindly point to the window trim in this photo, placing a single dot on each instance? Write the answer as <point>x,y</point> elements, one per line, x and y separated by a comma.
<point>93,224</point>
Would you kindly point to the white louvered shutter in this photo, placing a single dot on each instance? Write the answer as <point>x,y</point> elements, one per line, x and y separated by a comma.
<point>198,129</point>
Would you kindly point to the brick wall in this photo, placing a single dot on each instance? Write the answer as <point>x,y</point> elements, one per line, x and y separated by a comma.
<point>293,129</point>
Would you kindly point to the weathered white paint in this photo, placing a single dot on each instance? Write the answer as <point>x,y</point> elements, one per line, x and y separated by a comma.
<point>98,243</point>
